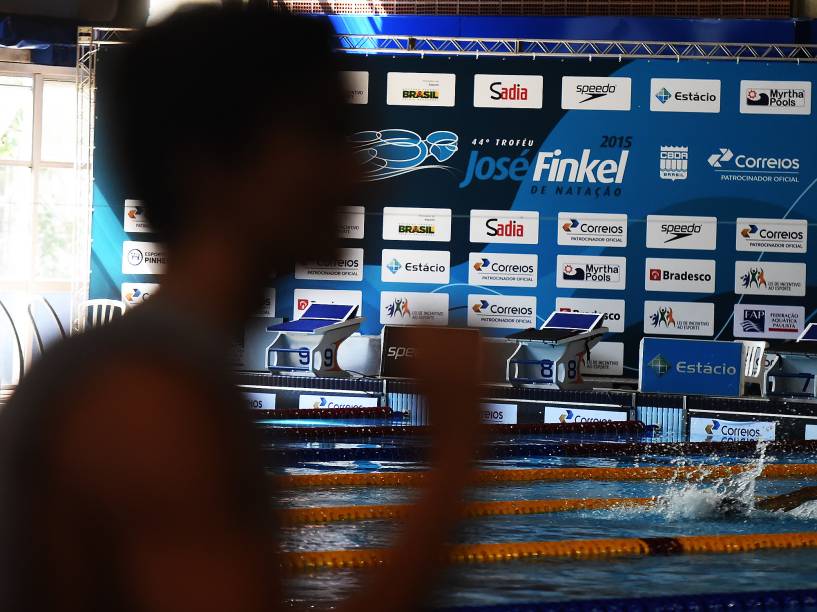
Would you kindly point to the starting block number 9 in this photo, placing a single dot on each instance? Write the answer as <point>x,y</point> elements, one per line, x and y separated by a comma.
<point>328,357</point>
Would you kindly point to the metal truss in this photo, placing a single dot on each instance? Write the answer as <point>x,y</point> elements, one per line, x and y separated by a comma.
<point>589,49</point>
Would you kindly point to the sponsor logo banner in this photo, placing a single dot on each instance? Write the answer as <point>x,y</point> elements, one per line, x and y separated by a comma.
<point>508,90</point>
<point>754,166</point>
<point>673,232</point>
<point>409,308</point>
<point>811,432</point>
<point>267,309</point>
<point>400,266</point>
<point>673,163</point>
<point>717,430</point>
<point>592,229</point>
<point>606,359</point>
<point>679,318</point>
<point>555,172</point>
<point>387,153</point>
<point>355,85</point>
<point>613,310</point>
<point>303,298</point>
<point>505,226</point>
<point>768,321</point>
<point>422,224</point>
<point>329,402</point>
<point>346,265</point>
<point>134,294</point>
<point>596,93</point>
<point>351,222</point>
<point>509,312</point>
<point>700,367</point>
<point>135,221</point>
<point>685,95</point>
<point>259,401</point>
<point>502,270</point>
<point>770,278</point>
<point>420,89</point>
<point>591,272</point>
<point>498,414</point>
<point>557,414</point>
<point>143,257</point>
<point>775,97</point>
<point>680,275</point>
<point>774,235</point>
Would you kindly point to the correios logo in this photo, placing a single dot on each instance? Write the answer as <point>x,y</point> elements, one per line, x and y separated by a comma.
<point>663,317</point>
<point>712,427</point>
<point>485,307</point>
<point>482,263</point>
<point>754,168</point>
<point>566,416</point>
<point>754,277</point>
<point>746,232</point>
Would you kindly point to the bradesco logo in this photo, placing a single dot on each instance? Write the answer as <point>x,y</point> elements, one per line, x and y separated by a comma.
<point>685,95</point>
<point>672,232</point>
<point>346,265</point>
<point>304,298</point>
<point>511,312</point>
<point>770,278</point>
<point>558,414</point>
<point>508,90</point>
<point>776,235</point>
<point>584,175</point>
<point>592,229</point>
<point>768,321</point>
<point>502,270</point>
<point>680,275</point>
<point>679,318</point>
<point>754,168</point>
<point>399,266</point>
<point>505,226</point>
<point>420,89</point>
<point>426,224</point>
<point>719,430</point>
<point>613,310</point>
<point>775,97</point>
<point>334,402</point>
<point>589,272</point>
<point>596,93</point>
<point>411,308</point>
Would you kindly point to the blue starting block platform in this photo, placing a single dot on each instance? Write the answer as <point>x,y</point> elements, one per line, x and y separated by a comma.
<point>552,356</point>
<point>308,346</point>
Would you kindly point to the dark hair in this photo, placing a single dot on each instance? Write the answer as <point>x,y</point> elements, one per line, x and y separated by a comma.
<point>206,85</point>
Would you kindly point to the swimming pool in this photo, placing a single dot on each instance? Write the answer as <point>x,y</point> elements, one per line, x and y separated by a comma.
<point>684,508</point>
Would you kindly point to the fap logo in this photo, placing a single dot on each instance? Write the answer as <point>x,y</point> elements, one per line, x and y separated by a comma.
<point>754,321</point>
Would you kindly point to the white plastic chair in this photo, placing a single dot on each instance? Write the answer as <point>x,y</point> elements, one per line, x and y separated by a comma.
<point>99,312</point>
<point>754,364</point>
<point>36,327</point>
<point>7,390</point>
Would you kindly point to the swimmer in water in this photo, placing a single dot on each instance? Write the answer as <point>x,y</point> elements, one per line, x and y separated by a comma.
<point>733,507</point>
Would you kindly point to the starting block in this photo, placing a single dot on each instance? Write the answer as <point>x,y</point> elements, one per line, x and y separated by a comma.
<point>309,345</point>
<point>553,355</point>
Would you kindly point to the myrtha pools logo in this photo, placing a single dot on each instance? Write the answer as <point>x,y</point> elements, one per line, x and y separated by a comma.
<point>755,277</point>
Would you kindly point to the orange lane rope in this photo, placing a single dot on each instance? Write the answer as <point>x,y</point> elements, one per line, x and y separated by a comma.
<point>482,477</point>
<point>570,549</point>
<point>326,514</point>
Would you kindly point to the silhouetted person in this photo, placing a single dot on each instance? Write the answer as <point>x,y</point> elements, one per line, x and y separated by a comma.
<point>129,472</point>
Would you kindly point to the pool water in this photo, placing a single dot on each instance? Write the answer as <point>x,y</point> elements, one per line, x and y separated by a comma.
<point>684,508</point>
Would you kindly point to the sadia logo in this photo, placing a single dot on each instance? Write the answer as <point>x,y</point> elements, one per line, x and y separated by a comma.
<point>754,168</point>
<point>660,365</point>
<point>754,321</point>
<point>754,277</point>
<point>508,90</point>
<point>508,229</point>
<point>499,91</point>
<point>663,317</point>
<point>504,226</point>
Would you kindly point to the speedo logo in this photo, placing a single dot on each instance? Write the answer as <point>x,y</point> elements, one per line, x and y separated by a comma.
<point>401,352</point>
<point>548,167</point>
<point>677,231</point>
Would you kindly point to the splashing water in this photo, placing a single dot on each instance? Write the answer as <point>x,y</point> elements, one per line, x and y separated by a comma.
<point>697,498</point>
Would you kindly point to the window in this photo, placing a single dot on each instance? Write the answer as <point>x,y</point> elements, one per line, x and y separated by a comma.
<point>40,253</point>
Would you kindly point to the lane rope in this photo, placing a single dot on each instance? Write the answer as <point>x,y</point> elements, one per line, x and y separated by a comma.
<point>488,477</point>
<point>328,514</point>
<point>607,548</point>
